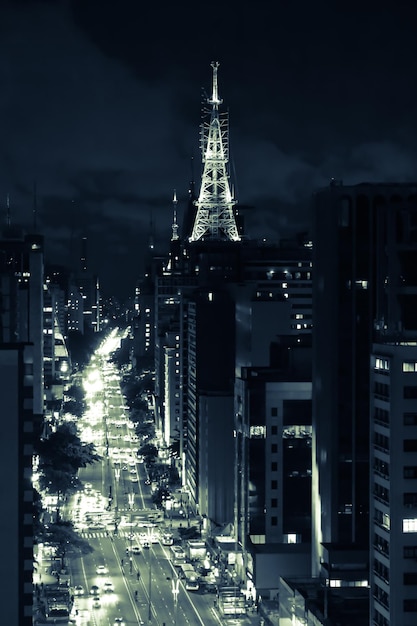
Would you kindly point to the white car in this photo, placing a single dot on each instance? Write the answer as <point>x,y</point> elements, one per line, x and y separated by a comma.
<point>102,569</point>
<point>108,586</point>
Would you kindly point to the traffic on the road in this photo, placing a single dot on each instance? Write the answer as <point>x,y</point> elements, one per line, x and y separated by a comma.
<point>138,568</point>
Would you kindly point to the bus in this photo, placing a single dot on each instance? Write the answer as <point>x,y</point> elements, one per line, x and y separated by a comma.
<point>178,555</point>
<point>188,574</point>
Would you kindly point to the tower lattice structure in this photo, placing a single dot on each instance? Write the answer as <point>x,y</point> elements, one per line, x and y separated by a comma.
<point>214,217</point>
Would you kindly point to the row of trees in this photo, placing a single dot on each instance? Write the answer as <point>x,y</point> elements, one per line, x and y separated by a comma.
<point>61,455</point>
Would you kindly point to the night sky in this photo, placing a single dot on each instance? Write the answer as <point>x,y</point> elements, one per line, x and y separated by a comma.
<point>100,104</point>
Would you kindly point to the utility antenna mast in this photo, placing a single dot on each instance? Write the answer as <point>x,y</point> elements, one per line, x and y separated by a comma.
<point>215,218</point>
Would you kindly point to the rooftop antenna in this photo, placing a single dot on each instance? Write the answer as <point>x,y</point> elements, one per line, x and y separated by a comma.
<point>175,236</point>
<point>35,206</point>
<point>151,231</point>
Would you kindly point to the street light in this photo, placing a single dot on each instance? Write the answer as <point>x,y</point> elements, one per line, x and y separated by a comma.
<point>150,588</point>
<point>175,592</point>
<point>131,499</point>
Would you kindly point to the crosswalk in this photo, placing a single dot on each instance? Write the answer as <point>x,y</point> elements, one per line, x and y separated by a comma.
<point>98,534</point>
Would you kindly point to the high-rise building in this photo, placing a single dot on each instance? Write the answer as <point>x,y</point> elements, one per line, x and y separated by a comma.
<point>273,416</point>
<point>364,259</point>
<point>17,365</point>
<point>393,413</point>
<point>22,409</point>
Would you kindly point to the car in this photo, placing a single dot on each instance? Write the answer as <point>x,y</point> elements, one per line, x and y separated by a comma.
<point>94,590</point>
<point>96,602</point>
<point>136,550</point>
<point>102,569</point>
<point>119,621</point>
<point>145,544</point>
<point>134,479</point>
<point>78,590</point>
<point>108,586</point>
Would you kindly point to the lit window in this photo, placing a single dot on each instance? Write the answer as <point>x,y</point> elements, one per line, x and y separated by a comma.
<point>410,525</point>
<point>409,366</point>
<point>257,431</point>
<point>381,364</point>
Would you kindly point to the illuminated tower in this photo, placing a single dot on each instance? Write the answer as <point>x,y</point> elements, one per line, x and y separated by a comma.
<point>215,218</point>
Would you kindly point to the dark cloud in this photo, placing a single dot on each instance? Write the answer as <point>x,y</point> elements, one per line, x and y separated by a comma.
<point>100,104</point>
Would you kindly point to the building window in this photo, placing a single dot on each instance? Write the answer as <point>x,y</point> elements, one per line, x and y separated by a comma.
<point>274,411</point>
<point>274,484</point>
<point>381,493</point>
<point>410,525</point>
<point>257,432</point>
<point>381,415</point>
<point>410,578</point>
<point>410,500</point>
<point>410,471</point>
<point>410,445</point>
<point>410,552</point>
<point>274,448</point>
<point>410,392</point>
<point>381,467</point>
<point>410,419</point>
<point>381,390</point>
<point>274,430</point>
<point>409,366</point>
<point>274,466</point>
<point>410,606</point>
<point>274,520</point>
<point>381,364</point>
<point>274,503</point>
<point>381,442</point>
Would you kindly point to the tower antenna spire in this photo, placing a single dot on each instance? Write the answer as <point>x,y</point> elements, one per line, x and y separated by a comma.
<point>35,206</point>
<point>214,217</point>
<point>215,101</point>
<point>175,235</point>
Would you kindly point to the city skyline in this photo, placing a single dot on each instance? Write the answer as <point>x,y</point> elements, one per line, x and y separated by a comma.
<point>102,109</point>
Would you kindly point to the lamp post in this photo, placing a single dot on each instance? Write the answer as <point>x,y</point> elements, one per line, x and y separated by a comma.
<point>150,588</point>
<point>175,592</point>
<point>131,498</point>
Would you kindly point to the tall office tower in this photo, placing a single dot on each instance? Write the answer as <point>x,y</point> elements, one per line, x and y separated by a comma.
<point>273,416</point>
<point>22,409</point>
<point>393,413</point>
<point>215,218</point>
<point>21,273</point>
<point>89,288</point>
<point>354,229</point>
<point>209,462</point>
<point>143,322</point>
<point>17,365</point>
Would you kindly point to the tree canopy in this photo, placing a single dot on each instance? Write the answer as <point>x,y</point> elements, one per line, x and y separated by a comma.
<point>61,455</point>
